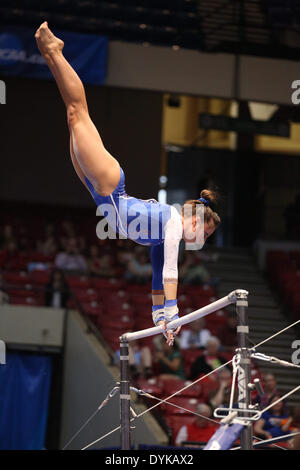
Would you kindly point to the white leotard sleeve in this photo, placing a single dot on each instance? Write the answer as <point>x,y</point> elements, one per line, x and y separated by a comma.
<point>173,235</point>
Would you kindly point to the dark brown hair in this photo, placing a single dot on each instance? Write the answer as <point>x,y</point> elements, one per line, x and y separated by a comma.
<point>212,197</point>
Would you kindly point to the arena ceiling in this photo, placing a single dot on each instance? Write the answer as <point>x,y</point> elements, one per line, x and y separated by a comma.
<point>265,28</point>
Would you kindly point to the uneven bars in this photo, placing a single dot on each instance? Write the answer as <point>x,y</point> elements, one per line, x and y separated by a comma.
<point>190,317</point>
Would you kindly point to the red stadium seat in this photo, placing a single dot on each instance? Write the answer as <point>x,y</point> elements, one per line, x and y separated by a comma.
<point>114,301</point>
<point>111,336</point>
<point>176,422</point>
<point>138,288</point>
<point>29,300</point>
<point>208,385</point>
<point>107,284</point>
<point>185,301</point>
<point>39,277</point>
<point>141,298</point>
<point>152,386</point>
<point>188,404</point>
<point>81,282</point>
<point>25,292</point>
<point>123,322</point>
<point>121,296</point>
<point>189,356</point>
<point>143,323</point>
<point>290,289</point>
<point>85,294</point>
<point>17,277</point>
<point>34,256</point>
<point>93,309</point>
<point>117,312</point>
<point>172,385</point>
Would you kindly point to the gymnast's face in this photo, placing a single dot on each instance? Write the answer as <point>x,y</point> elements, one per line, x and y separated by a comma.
<point>192,224</point>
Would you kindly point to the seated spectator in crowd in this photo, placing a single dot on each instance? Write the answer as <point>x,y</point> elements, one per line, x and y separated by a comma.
<point>220,398</point>
<point>71,259</point>
<point>227,334</point>
<point>209,360</point>
<point>125,252</point>
<point>139,269</point>
<point>11,257</point>
<point>295,443</point>
<point>66,231</point>
<point>169,359</point>
<point>7,235</point>
<point>292,423</point>
<point>48,247</point>
<point>57,291</point>
<point>270,424</point>
<point>140,360</point>
<point>270,390</point>
<point>201,430</point>
<point>192,270</point>
<point>4,298</point>
<point>101,266</point>
<point>196,336</point>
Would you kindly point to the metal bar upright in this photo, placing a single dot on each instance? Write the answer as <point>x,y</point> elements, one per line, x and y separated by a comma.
<point>124,395</point>
<point>244,368</point>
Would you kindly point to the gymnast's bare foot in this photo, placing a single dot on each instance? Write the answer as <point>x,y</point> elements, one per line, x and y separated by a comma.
<point>47,42</point>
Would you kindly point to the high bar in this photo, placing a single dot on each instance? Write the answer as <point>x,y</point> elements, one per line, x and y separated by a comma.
<point>190,317</point>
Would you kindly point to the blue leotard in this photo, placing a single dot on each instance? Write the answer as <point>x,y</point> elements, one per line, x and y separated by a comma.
<point>146,222</point>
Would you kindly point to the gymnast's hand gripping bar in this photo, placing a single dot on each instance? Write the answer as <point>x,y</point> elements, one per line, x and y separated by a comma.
<point>190,317</point>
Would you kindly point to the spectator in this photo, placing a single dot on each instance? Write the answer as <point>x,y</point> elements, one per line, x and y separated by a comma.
<point>140,360</point>
<point>11,258</point>
<point>125,252</point>
<point>221,396</point>
<point>71,259</point>
<point>196,336</point>
<point>270,423</point>
<point>48,247</point>
<point>4,298</point>
<point>270,390</point>
<point>7,236</point>
<point>200,430</point>
<point>227,334</point>
<point>100,265</point>
<point>292,423</point>
<point>57,291</point>
<point>139,268</point>
<point>192,271</point>
<point>67,231</point>
<point>209,360</point>
<point>169,359</point>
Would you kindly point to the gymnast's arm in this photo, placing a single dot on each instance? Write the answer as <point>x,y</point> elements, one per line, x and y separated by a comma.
<point>157,261</point>
<point>164,272</point>
<point>172,237</point>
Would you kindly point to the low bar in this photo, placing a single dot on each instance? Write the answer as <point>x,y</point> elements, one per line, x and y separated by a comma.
<point>190,317</point>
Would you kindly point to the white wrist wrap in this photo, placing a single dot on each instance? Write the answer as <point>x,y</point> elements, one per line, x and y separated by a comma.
<point>170,313</point>
<point>158,315</point>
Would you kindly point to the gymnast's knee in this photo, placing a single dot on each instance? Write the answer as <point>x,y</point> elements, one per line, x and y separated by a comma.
<point>74,113</point>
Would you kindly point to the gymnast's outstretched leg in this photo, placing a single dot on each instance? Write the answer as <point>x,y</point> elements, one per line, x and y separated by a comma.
<point>92,159</point>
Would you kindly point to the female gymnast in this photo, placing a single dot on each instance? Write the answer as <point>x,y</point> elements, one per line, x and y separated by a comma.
<point>102,175</point>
